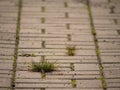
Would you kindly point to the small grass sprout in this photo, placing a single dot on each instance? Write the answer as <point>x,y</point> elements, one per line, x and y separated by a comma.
<point>71,51</point>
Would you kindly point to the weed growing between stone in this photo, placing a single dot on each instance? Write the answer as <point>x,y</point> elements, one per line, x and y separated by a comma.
<point>42,66</point>
<point>74,83</point>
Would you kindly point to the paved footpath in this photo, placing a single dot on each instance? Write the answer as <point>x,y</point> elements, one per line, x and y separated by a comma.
<point>35,30</point>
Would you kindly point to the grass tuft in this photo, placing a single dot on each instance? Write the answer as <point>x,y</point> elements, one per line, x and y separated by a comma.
<point>42,66</point>
<point>74,83</point>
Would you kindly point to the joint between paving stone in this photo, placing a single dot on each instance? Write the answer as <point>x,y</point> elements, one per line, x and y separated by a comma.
<point>43,44</point>
<point>43,31</point>
<point>69,37</point>
<point>42,88</point>
<point>118,31</point>
<point>72,66</point>
<point>42,20</point>
<point>71,51</point>
<point>68,26</point>
<point>115,21</point>
<point>93,31</point>
<point>42,58</point>
<point>43,0</point>
<point>109,1</point>
<point>43,9</point>
<point>43,74</point>
<point>16,45</point>
<point>112,9</point>
<point>66,15</point>
<point>65,4</point>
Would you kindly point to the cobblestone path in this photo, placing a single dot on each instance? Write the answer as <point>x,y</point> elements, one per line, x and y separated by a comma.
<point>36,30</point>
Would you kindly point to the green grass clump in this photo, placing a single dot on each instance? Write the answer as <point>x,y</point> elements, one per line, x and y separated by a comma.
<point>93,32</point>
<point>97,52</point>
<point>74,84</point>
<point>42,66</point>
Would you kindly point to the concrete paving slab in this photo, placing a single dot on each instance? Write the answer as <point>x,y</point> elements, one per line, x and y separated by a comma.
<point>36,30</point>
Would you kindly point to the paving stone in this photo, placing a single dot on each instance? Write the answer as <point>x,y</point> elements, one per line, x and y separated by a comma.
<point>85,52</point>
<point>6,14</point>
<point>74,73</point>
<point>71,89</point>
<point>5,52</point>
<point>29,44</point>
<point>113,83</point>
<point>53,20</point>
<point>64,32</point>
<point>113,73</point>
<point>53,9</point>
<point>108,40</point>
<point>71,43</point>
<point>43,39</point>
<point>113,88</point>
<point>6,57</point>
<point>86,67</point>
<point>45,14</point>
<point>5,82</point>
<point>89,83</point>
<point>7,42</point>
<point>64,46</point>
<point>70,21</point>
<point>6,66</point>
<point>109,37</point>
<point>40,26</point>
<point>37,83</point>
<point>77,26</point>
<point>68,57</point>
<point>8,2</point>
<point>60,76</point>
<point>109,45</point>
<point>4,75</point>
<point>6,61</point>
<point>106,32</point>
<point>78,15</point>
<point>8,9</point>
<point>5,88</point>
<point>27,75</point>
<point>7,46</point>
<point>103,21</point>
<point>56,36</point>
<point>111,66</point>
<point>6,36</point>
<point>110,52</point>
<point>77,75</point>
<point>40,3</point>
<point>8,20</point>
<point>62,61</point>
<point>82,38</point>
<point>110,59</point>
<point>43,36</point>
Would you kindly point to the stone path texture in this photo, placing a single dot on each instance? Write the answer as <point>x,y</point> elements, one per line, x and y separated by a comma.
<point>36,30</point>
